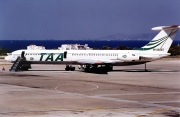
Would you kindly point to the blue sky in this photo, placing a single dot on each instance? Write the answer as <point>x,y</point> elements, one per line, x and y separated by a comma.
<point>79,19</point>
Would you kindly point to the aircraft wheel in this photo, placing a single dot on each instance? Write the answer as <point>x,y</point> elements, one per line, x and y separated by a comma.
<point>87,69</point>
<point>72,68</point>
<point>67,69</point>
<point>25,69</point>
<point>110,68</point>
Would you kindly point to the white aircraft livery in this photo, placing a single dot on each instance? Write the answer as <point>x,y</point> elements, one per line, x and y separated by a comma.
<point>91,59</point>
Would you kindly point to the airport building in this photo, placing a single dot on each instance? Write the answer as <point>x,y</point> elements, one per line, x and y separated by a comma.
<point>34,47</point>
<point>74,47</point>
<point>63,47</point>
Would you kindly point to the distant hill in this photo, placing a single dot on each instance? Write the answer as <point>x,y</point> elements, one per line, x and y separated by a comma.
<point>123,36</point>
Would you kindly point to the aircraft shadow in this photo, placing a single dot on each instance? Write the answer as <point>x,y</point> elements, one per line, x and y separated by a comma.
<point>142,70</point>
<point>46,70</point>
<point>96,72</point>
<point>121,70</point>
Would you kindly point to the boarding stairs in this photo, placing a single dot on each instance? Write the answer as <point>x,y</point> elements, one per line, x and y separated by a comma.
<point>16,65</point>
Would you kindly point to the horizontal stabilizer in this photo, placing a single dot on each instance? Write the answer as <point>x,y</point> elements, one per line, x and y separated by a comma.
<point>165,27</point>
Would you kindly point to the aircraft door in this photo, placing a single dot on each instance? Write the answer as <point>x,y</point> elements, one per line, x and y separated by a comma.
<point>65,54</point>
<point>22,54</point>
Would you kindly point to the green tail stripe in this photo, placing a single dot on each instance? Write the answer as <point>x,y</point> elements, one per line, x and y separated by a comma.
<point>143,49</point>
<point>157,42</point>
<point>160,40</point>
<point>166,36</point>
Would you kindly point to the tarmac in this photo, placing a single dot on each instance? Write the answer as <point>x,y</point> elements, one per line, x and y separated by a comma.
<point>127,91</point>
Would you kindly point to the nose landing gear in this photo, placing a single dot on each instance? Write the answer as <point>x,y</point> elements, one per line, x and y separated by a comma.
<point>69,68</point>
<point>145,69</point>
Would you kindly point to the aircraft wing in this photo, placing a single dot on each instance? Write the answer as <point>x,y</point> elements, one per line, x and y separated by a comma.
<point>93,61</point>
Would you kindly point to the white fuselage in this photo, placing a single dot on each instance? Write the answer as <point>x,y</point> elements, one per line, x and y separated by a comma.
<point>116,57</point>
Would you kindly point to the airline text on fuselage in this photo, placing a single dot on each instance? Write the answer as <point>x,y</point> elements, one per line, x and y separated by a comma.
<point>51,57</point>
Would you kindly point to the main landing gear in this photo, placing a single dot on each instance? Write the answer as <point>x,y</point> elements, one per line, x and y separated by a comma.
<point>25,67</point>
<point>145,68</point>
<point>69,68</point>
<point>95,68</point>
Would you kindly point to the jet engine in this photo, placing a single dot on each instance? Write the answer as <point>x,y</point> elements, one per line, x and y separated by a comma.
<point>129,57</point>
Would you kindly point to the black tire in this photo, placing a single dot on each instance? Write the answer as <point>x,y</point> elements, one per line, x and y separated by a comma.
<point>110,68</point>
<point>25,69</point>
<point>67,68</point>
<point>72,68</point>
<point>87,69</point>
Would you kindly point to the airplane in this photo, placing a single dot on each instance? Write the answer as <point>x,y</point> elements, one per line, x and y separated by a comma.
<point>90,60</point>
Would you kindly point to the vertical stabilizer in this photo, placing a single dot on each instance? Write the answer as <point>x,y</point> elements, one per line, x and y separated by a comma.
<point>163,40</point>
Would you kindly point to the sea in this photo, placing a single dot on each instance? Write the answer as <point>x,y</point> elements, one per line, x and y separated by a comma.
<point>13,45</point>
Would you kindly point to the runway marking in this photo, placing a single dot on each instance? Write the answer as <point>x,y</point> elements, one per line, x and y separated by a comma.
<point>164,93</point>
<point>96,86</point>
<point>164,101</point>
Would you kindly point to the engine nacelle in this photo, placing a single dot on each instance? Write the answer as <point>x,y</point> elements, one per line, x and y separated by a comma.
<point>129,57</point>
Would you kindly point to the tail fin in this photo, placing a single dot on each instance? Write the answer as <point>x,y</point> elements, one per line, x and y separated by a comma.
<point>163,40</point>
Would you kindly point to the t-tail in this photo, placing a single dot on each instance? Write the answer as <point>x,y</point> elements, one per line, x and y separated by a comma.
<point>163,40</point>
